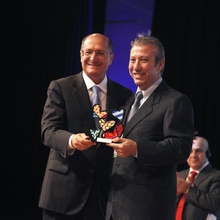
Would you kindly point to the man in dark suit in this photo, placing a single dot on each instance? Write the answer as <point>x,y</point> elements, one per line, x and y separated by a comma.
<point>202,196</point>
<point>76,181</point>
<point>155,140</point>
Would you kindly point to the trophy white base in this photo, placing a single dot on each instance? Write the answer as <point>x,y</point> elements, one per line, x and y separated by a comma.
<point>104,140</point>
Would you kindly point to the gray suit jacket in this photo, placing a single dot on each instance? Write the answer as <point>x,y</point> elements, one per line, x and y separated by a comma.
<point>204,197</point>
<point>68,179</point>
<point>145,187</point>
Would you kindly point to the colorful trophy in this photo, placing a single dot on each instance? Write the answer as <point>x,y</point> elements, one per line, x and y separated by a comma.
<point>110,124</point>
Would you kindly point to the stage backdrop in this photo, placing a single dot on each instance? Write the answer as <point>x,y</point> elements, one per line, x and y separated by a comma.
<point>125,20</point>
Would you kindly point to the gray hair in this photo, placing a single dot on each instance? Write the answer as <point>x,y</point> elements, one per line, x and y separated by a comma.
<point>146,40</point>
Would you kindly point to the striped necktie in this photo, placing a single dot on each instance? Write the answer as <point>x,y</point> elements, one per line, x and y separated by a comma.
<point>136,105</point>
<point>95,98</point>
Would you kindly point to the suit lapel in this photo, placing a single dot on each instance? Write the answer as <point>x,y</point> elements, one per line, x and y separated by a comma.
<point>112,96</point>
<point>204,173</point>
<point>145,110</point>
<point>141,113</point>
<point>82,96</point>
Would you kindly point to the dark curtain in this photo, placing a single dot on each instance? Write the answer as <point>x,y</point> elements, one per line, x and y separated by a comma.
<point>190,32</point>
<point>40,41</point>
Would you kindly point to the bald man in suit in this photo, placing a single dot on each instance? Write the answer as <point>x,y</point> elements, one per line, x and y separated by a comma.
<point>76,181</point>
<point>202,197</point>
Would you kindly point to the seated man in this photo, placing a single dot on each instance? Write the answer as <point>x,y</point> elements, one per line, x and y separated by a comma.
<point>199,195</point>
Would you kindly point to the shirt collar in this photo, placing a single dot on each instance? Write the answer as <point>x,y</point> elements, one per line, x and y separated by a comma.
<point>89,83</point>
<point>198,171</point>
<point>149,91</point>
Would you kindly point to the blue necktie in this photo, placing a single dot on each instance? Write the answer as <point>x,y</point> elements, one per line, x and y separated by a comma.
<point>96,100</point>
<point>136,105</point>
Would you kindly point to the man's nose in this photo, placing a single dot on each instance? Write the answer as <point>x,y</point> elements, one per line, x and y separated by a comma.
<point>93,56</point>
<point>137,66</point>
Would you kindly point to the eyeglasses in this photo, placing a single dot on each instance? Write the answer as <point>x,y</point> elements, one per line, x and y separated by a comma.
<point>98,53</point>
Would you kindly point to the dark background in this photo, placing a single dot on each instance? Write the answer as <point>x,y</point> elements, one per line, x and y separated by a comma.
<point>40,41</point>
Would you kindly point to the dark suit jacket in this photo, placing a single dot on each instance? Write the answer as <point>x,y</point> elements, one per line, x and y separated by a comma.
<point>145,187</point>
<point>68,179</point>
<point>204,197</point>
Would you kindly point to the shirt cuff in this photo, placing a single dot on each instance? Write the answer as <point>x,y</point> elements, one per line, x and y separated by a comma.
<point>70,146</point>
